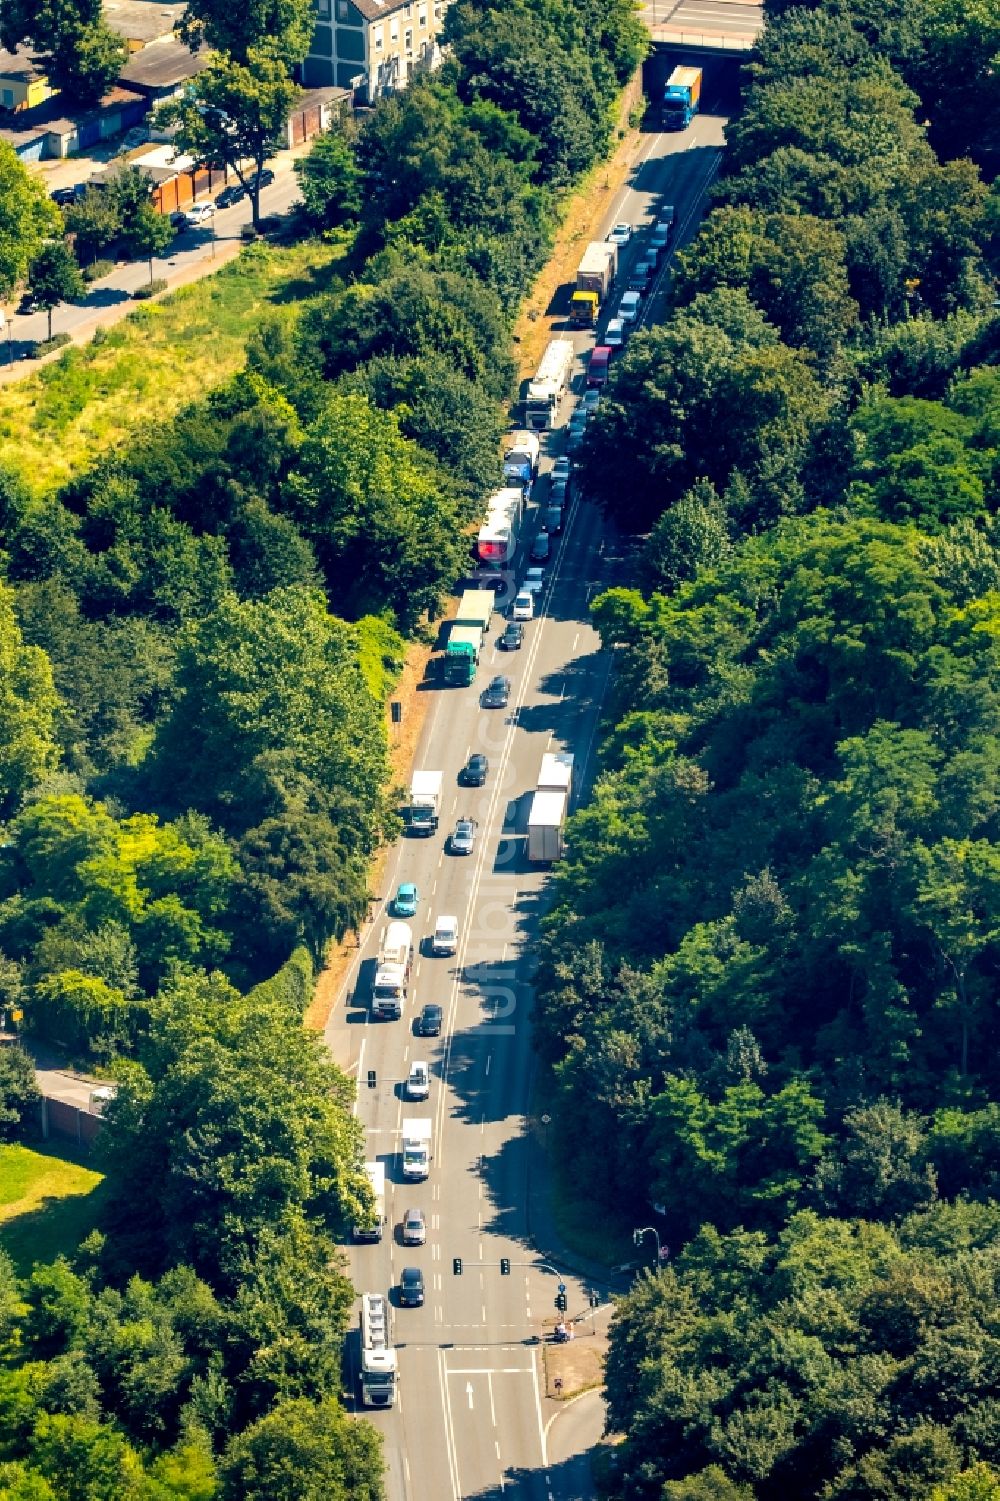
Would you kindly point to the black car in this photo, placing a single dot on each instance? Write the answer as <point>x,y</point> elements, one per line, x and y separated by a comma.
<point>513,636</point>
<point>476,768</point>
<point>430,1020</point>
<point>235,193</point>
<point>541,546</point>
<point>63,196</point>
<point>552,521</point>
<point>411,1287</point>
<point>497,694</point>
<point>260,179</point>
<point>559,493</point>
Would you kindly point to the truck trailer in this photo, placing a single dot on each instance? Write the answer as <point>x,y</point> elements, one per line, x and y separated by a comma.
<point>598,268</point>
<point>379,1365</point>
<point>545,826</point>
<point>468,632</point>
<point>681,97</point>
<point>425,802</point>
<point>546,389</point>
<point>556,773</point>
<point>496,544</point>
<point>416,1150</point>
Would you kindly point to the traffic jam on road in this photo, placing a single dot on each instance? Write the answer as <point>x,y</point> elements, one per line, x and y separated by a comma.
<point>504,752</point>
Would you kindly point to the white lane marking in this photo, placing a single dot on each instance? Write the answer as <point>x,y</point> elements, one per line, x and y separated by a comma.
<point>449,1433</point>
<point>538,1410</point>
<point>468,1393</point>
<point>361,1059</point>
<point>488,1057</point>
<point>493,1410</point>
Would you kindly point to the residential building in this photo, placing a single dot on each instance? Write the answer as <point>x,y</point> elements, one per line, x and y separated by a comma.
<point>373,47</point>
<point>23,83</point>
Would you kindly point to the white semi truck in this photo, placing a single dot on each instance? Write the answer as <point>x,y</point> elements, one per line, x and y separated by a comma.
<point>379,1364</point>
<point>425,802</point>
<point>392,971</point>
<point>545,391</point>
<point>416,1150</point>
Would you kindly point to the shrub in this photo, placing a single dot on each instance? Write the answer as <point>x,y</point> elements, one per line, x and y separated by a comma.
<point>97,269</point>
<point>150,289</point>
<point>293,984</point>
<point>49,346</point>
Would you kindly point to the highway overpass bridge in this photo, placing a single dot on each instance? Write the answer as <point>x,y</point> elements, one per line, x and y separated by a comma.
<point>720,27</point>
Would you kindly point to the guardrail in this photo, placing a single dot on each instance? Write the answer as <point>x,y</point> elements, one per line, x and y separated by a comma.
<point>706,41</point>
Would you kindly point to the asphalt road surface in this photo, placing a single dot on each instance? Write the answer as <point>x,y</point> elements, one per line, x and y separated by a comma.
<point>472,1419</point>
<point>730,24</point>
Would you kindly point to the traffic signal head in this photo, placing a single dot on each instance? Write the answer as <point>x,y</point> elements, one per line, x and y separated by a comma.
<point>505,1266</point>
<point>371,1078</point>
<point>561,1302</point>
<point>456,1266</point>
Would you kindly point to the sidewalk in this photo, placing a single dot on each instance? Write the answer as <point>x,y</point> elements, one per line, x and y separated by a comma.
<point>194,254</point>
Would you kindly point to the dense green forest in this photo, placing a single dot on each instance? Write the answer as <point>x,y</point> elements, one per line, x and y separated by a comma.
<point>769,981</point>
<point>199,636</point>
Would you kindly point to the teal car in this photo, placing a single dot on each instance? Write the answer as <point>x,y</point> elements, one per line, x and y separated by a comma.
<point>406,900</point>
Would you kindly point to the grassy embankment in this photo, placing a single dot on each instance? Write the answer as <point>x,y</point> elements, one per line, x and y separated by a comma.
<point>143,370</point>
<point>48,1204</point>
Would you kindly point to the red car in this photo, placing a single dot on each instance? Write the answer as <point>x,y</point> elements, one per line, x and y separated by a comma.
<point>600,359</point>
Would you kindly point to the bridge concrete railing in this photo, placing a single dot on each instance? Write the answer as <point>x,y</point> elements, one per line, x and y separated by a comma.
<point>703,41</point>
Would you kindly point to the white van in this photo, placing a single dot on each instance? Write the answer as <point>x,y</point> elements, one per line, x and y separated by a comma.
<point>445,939</point>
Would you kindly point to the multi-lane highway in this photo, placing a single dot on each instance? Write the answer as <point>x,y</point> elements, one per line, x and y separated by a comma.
<point>472,1417</point>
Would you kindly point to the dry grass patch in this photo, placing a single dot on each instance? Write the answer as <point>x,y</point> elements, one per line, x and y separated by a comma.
<point>577,1366</point>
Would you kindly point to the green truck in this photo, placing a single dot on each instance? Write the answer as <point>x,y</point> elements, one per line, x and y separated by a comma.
<point>468,632</point>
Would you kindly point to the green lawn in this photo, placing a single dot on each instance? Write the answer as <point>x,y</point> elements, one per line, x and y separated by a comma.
<point>48,1203</point>
<point>145,368</point>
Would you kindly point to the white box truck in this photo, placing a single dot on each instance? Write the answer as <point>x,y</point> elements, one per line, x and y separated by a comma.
<point>416,1150</point>
<point>375,1172</point>
<point>392,970</point>
<point>556,773</point>
<point>545,826</point>
<point>425,801</point>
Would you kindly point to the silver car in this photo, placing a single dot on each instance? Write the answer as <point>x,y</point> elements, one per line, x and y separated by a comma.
<point>414,1228</point>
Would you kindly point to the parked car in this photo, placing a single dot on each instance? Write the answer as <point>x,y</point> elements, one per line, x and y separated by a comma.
<point>199,214</point>
<point>463,839</point>
<point>523,607</point>
<point>561,470</point>
<point>411,1287</point>
<point>418,1081</point>
<point>260,179</point>
<point>630,307</point>
<point>616,333</point>
<point>513,636</point>
<point>559,494</point>
<point>475,771</point>
<point>497,692</point>
<point>63,196</point>
<point>413,1231</point>
<point>575,433</point>
<point>406,900</point>
<point>235,193</point>
<point>29,304</point>
<point>430,1020</point>
<point>621,234</point>
<point>540,547</point>
<point>179,219</point>
<point>590,401</point>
